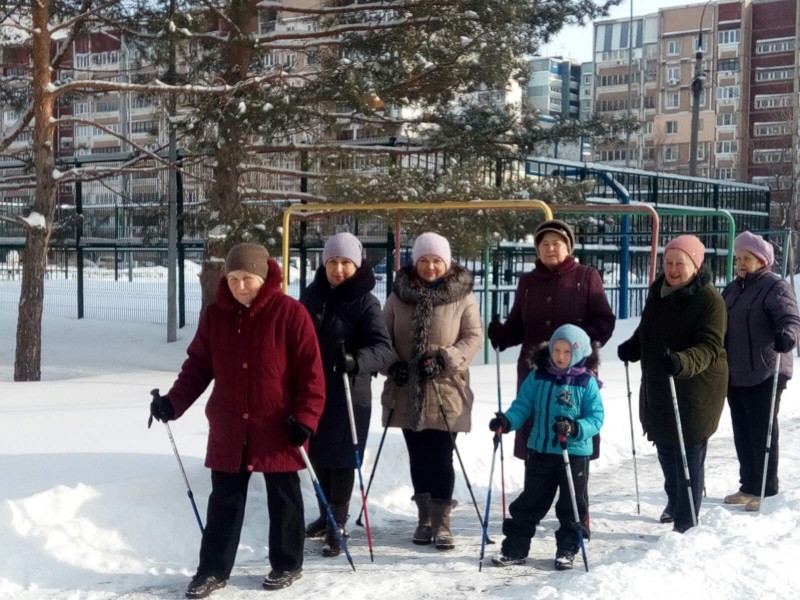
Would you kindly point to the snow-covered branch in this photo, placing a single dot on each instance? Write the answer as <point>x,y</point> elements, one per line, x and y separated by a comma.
<point>355,7</point>
<point>159,87</point>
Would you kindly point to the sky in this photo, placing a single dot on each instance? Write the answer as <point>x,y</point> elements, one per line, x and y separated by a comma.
<point>93,506</point>
<point>576,41</point>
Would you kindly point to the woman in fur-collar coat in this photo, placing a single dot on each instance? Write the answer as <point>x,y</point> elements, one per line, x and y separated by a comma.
<point>435,325</point>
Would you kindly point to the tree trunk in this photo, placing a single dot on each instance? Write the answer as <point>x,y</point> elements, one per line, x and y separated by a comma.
<point>28,361</point>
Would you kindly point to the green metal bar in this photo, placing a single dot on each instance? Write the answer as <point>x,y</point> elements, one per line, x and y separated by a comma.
<point>714,212</point>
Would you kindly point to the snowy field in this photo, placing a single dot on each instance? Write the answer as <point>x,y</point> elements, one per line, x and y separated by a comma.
<point>93,507</point>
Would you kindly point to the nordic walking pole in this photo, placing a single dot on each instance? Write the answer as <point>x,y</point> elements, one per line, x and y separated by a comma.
<point>502,457</point>
<point>189,493</point>
<point>571,484</point>
<point>378,455</point>
<point>683,449</point>
<point>633,441</point>
<point>497,442</point>
<point>769,429</point>
<point>321,496</point>
<point>458,454</point>
<point>351,415</point>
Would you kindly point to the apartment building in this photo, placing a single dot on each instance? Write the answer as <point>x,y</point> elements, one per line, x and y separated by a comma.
<point>748,107</point>
<point>554,86</point>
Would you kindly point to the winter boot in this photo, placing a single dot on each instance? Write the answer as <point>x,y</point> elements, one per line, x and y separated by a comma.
<point>423,534</point>
<point>564,560</point>
<point>316,529</point>
<point>440,524</point>
<point>739,497</point>
<point>668,516</point>
<point>332,546</point>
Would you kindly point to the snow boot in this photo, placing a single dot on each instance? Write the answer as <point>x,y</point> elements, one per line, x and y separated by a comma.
<point>332,546</point>
<point>564,560</point>
<point>501,560</point>
<point>279,578</point>
<point>316,529</point>
<point>201,586</point>
<point>668,515</point>
<point>423,534</point>
<point>739,497</point>
<point>440,524</point>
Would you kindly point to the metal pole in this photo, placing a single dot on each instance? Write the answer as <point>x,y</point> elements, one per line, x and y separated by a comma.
<point>633,441</point>
<point>172,235</point>
<point>630,88</point>
<point>697,91</point>
<point>683,449</point>
<point>575,514</point>
<point>769,428</point>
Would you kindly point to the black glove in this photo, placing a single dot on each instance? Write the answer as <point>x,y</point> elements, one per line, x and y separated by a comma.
<point>430,366</point>
<point>500,421</point>
<point>345,363</point>
<point>160,408</point>
<point>671,362</point>
<point>564,426</point>
<point>626,351</point>
<point>298,433</point>
<point>495,331</point>
<point>783,343</point>
<point>398,373</point>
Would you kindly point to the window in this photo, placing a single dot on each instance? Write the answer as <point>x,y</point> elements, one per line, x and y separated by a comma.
<point>11,116</point>
<point>728,65</point>
<point>81,61</point>
<point>731,36</point>
<point>648,128</point>
<point>266,21</point>
<point>670,153</point>
<point>727,119</point>
<point>765,101</point>
<point>771,129</point>
<point>701,151</point>
<point>775,46</point>
<point>727,92</point>
<point>82,108</point>
<point>726,147</point>
<point>106,58</point>
<point>106,105</point>
<point>673,75</point>
<point>774,73</point>
<point>725,173</point>
<point>144,102</point>
<point>672,100</point>
<point>673,47</point>
<point>144,127</point>
<point>772,155</point>
<point>672,127</point>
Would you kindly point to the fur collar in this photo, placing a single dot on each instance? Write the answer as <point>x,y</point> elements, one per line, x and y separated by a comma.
<point>455,284</point>
<point>539,357</point>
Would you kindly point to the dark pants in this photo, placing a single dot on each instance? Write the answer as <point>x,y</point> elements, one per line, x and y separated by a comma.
<point>337,484</point>
<point>544,475</point>
<point>226,515</point>
<point>430,454</point>
<point>750,408</point>
<point>675,479</point>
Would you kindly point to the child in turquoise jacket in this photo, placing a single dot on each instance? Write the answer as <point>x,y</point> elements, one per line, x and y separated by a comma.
<point>562,396</point>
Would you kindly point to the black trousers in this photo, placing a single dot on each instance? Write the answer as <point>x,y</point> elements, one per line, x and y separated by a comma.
<point>544,475</point>
<point>750,408</point>
<point>669,457</point>
<point>226,514</point>
<point>337,484</point>
<point>430,454</point>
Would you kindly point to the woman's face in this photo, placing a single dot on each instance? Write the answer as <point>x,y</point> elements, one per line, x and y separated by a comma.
<point>431,267</point>
<point>747,263</point>
<point>244,286</point>
<point>553,249</point>
<point>339,269</point>
<point>562,354</point>
<point>678,267</point>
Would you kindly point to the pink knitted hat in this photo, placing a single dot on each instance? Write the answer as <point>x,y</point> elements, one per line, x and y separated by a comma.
<point>689,244</point>
<point>755,245</point>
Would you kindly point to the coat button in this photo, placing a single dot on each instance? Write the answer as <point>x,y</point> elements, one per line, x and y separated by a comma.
<point>547,323</point>
<point>549,299</point>
<point>246,416</point>
<point>249,467</point>
<point>244,365</point>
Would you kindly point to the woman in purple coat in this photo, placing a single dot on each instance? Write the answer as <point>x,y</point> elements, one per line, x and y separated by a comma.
<point>559,291</point>
<point>763,327</point>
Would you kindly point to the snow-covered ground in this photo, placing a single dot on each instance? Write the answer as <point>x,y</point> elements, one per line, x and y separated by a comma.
<point>93,506</point>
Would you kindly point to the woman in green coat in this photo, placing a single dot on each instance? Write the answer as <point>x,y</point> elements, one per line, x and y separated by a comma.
<point>681,333</point>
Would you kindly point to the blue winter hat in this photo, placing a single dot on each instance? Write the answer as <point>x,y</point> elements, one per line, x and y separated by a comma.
<point>577,339</point>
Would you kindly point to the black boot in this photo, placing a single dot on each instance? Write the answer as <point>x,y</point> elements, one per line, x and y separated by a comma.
<point>201,586</point>
<point>440,524</point>
<point>316,529</point>
<point>423,534</point>
<point>332,547</point>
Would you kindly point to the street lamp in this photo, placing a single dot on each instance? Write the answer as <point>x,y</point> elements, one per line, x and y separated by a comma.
<point>697,91</point>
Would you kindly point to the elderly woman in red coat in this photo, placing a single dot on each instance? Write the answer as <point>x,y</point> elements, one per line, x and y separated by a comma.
<point>260,349</point>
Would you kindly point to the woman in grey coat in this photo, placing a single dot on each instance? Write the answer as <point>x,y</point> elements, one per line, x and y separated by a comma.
<point>763,326</point>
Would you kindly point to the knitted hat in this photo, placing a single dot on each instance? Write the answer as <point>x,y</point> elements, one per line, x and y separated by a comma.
<point>755,245</point>
<point>555,226</point>
<point>689,244</point>
<point>248,257</point>
<point>431,243</point>
<point>345,245</point>
<point>578,341</point>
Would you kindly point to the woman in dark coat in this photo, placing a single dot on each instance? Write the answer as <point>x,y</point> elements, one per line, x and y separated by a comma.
<point>559,291</point>
<point>681,334</point>
<point>344,312</point>
<point>259,348</point>
<point>763,327</point>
